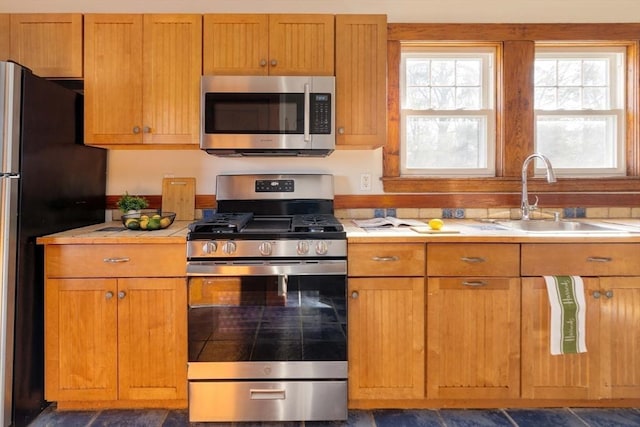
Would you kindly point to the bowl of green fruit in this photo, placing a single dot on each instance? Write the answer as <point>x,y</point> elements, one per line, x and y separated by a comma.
<point>148,221</point>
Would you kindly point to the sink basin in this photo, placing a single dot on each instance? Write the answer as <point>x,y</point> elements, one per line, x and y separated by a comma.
<point>559,227</point>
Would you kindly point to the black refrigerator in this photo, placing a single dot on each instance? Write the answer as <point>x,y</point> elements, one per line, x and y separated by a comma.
<point>49,182</point>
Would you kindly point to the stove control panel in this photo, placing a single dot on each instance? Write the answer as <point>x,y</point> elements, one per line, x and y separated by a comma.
<point>275,186</point>
<point>266,248</point>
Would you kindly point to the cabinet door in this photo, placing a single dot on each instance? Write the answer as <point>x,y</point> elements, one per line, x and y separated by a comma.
<point>152,338</point>
<point>301,45</point>
<point>361,80</point>
<point>81,341</point>
<point>236,44</point>
<point>50,44</point>
<point>619,336</point>
<point>473,338</point>
<point>5,38</point>
<point>113,79</point>
<point>172,67</point>
<point>386,338</point>
<point>568,376</point>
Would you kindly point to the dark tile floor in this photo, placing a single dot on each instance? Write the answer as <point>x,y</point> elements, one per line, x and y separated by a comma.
<point>558,417</point>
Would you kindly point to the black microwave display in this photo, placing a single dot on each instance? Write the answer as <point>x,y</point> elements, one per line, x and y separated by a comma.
<point>265,113</point>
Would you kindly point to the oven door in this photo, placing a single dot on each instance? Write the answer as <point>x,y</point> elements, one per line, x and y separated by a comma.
<point>257,322</point>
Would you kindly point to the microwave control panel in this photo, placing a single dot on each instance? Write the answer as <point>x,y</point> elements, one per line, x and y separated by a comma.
<point>320,113</point>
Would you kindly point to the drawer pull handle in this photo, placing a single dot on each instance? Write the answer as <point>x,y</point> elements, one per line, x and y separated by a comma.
<point>385,258</point>
<point>267,394</point>
<point>472,259</point>
<point>465,283</point>
<point>117,260</point>
<point>599,259</point>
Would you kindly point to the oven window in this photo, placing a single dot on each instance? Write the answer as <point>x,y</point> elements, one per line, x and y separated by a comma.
<point>271,318</point>
<point>247,113</point>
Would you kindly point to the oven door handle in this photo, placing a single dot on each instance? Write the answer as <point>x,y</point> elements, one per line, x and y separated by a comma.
<point>324,267</point>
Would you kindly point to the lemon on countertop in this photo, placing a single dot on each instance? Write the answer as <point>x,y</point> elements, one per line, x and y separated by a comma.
<point>436,224</point>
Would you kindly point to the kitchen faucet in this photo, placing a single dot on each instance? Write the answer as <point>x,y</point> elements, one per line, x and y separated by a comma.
<point>525,207</point>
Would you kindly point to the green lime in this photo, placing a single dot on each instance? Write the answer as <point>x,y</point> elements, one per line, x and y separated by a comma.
<point>154,224</point>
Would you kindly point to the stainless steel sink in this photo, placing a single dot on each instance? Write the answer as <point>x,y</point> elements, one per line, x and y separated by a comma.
<point>559,227</point>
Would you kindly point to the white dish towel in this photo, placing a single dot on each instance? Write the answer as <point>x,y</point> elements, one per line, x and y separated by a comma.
<point>568,309</point>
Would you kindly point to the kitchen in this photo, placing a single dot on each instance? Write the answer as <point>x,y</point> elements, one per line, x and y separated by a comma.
<point>126,175</point>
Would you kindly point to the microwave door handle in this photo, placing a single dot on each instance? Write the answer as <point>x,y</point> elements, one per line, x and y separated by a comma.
<point>307,114</point>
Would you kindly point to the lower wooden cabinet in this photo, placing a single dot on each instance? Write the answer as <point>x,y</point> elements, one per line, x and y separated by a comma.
<point>473,338</point>
<point>609,368</point>
<point>386,338</point>
<point>115,325</point>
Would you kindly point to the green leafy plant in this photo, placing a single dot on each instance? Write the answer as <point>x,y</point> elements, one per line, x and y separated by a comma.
<point>128,203</point>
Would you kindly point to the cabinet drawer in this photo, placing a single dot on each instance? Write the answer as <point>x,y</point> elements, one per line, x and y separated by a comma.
<point>473,259</point>
<point>135,260</point>
<point>390,259</point>
<point>597,259</point>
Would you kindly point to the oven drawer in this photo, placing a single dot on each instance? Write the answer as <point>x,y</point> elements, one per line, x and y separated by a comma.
<point>217,401</point>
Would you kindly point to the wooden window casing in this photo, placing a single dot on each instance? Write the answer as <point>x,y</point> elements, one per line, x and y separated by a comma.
<point>515,118</point>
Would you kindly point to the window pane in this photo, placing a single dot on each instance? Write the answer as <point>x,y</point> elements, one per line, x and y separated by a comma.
<point>577,142</point>
<point>442,73</point>
<point>418,72</point>
<point>545,73</point>
<point>468,72</point>
<point>418,98</point>
<point>569,73</point>
<point>445,142</point>
<point>443,98</point>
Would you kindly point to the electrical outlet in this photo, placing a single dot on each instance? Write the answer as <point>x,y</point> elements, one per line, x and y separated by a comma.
<point>365,182</point>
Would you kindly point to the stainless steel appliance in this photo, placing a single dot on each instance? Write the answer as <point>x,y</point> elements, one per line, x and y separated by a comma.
<point>49,182</point>
<point>268,115</point>
<point>267,302</point>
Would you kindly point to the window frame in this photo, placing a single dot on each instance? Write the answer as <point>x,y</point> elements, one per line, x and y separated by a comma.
<point>617,109</point>
<point>488,53</point>
<point>515,117</point>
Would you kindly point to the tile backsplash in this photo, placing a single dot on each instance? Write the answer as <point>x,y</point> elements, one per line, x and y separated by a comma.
<point>480,213</point>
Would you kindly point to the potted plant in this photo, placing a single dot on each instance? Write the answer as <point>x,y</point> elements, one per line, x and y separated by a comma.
<point>129,204</point>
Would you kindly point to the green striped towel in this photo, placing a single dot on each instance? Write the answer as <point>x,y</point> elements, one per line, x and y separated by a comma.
<point>568,309</point>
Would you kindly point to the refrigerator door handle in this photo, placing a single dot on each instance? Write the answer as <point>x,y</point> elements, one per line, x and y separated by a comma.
<point>9,175</point>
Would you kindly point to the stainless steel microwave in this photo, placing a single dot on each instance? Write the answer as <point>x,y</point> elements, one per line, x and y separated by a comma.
<point>268,115</point>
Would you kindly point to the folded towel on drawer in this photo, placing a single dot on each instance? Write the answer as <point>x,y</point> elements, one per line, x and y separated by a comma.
<point>568,309</point>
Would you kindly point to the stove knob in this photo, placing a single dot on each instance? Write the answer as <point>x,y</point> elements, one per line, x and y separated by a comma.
<point>303,247</point>
<point>265,248</point>
<point>210,247</point>
<point>322,248</point>
<point>229,248</point>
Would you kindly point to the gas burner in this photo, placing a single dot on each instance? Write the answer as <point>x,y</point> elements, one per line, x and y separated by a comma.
<point>222,223</point>
<point>316,223</point>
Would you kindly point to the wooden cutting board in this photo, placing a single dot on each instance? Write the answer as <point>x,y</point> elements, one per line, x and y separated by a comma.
<point>179,196</point>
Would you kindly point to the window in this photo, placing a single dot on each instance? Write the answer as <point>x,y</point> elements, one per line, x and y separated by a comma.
<point>447,111</point>
<point>579,109</point>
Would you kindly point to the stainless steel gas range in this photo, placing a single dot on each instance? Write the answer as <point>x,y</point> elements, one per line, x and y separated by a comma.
<point>267,302</point>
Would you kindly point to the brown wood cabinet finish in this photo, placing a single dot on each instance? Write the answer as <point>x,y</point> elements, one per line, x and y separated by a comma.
<point>50,44</point>
<point>142,80</point>
<point>278,44</point>
<point>115,325</point>
<point>361,80</point>
<point>5,36</point>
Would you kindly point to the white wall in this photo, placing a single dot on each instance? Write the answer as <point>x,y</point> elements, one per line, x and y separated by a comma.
<point>142,171</point>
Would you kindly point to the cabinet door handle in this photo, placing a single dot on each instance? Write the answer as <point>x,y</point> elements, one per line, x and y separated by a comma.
<point>263,63</point>
<point>117,260</point>
<point>472,259</point>
<point>274,62</point>
<point>108,295</point>
<point>122,294</point>
<point>385,258</point>
<point>608,294</point>
<point>146,129</point>
<point>355,295</point>
<point>341,130</point>
<point>136,129</point>
<point>599,259</point>
<point>475,284</point>
<point>596,294</point>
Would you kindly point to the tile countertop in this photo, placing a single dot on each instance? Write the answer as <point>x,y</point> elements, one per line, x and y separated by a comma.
<point>462,231</point>
<point>482,231</point>
<point>114,232</point>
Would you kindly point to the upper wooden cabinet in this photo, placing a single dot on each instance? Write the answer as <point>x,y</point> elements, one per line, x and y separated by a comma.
<point>279,44</point>
<point>50,44</point>
<point>5,31</point>
<point>142,79</point>
<point>361,81</point>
